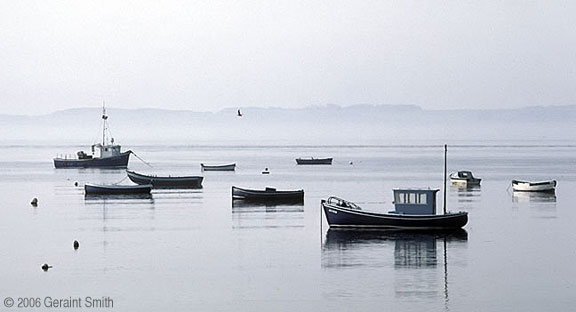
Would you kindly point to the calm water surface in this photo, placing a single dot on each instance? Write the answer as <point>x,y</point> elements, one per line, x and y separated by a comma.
<point>194,251</point>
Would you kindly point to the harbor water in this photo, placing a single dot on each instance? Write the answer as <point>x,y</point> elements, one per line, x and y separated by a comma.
<point>194,250</point>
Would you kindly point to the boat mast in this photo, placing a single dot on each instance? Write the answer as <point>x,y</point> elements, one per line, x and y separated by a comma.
<point>445,162</point>
<point>104,117</point>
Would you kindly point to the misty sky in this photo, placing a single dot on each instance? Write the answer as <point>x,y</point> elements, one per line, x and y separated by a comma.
<point>208,55</point>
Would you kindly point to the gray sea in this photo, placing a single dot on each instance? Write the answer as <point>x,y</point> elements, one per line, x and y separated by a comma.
<point>192,250</point>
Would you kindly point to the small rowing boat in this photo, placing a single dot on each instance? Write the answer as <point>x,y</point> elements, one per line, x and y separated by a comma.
<point>268,194</point>
<point>228,167</point>
<point>166,181</point>
<point>527,186</point>
<point>117,189</point>
<point>314,161</point>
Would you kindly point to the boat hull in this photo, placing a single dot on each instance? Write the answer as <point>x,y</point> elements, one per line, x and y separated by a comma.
<point>339,217</point>
<point>91,189</point>
<point>230,167</point>
<point>166,182</point>
<point>465,181</point>
<point>314,161</point>
<point>120,161</point>
<point>525,186</point>
<point>268,195</point>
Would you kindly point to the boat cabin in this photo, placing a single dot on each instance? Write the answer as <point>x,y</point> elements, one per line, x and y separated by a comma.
<point>103,151</point>
<point>415,201</point>
<point>465,175</point>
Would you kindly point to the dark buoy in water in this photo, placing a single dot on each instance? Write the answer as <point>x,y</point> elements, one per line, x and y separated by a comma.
<point>265,171</point>
<point>76,245</point>
<point>34,202</point>
<point>351,162</point>
<point>45,267</point>
<point>76,183</point>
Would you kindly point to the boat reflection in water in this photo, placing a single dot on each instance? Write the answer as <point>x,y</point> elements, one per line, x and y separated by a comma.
<point>533,197</point>
<point>541,204</point>
<point>116,197</point>
<point>466,195</point>
<point>248,214</point>
<point>417,260</point>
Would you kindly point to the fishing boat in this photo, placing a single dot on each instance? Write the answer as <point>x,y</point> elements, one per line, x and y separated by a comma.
<point>165,181</point>
<point>464,177</point>
<point>527,186</point>
<point>228,167</point>
<point>414,209</point>
<point>117,189</point>
<point>268,194</point>
<point>314,161</point>
<point>104,155</point>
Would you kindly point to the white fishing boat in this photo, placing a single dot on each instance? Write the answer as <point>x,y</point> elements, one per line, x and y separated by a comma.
<point>540,186</point>
<point>464,177</point>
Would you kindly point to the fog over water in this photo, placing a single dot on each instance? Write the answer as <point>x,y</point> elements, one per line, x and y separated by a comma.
<point>331,124</point>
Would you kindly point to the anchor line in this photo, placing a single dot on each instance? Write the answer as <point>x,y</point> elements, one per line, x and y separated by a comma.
<point>142,160</point>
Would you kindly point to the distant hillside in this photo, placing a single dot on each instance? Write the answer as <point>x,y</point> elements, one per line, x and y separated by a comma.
<point>331,124</point>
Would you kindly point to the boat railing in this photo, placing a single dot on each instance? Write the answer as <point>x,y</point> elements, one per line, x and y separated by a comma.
<point>65,156</point>
<point>333,200</point>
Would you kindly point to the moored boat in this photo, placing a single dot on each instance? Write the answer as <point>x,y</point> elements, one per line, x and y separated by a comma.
<point>314,161</point>
<point>527,186</point>
<point>116,189</point>
<point>166,181</point>
<point>464,177</point>
<point>415,209</point>
<point>104,155</point>
<point>268,194</point>
<point>227,167</point>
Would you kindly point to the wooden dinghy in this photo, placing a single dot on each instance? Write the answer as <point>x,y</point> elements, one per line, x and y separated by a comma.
<point>116,189</point>
<point>527,186</point>
<point>314,161</point>
<point>166,181</point>
<point>228,167</point>
<point>268,194</point>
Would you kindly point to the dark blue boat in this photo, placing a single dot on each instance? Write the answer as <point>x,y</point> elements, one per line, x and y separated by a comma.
<point>117,161</point>
<point>269,194</point>
<point>415,210</point>
<point>117,189</point>
<point>104,155</point>
<point>178,182</point>
<point>314,161</point>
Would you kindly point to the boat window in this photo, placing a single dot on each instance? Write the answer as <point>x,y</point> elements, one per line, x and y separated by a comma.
<point>422,199</point>
<point>400,198</point>
<point>411,198</point>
